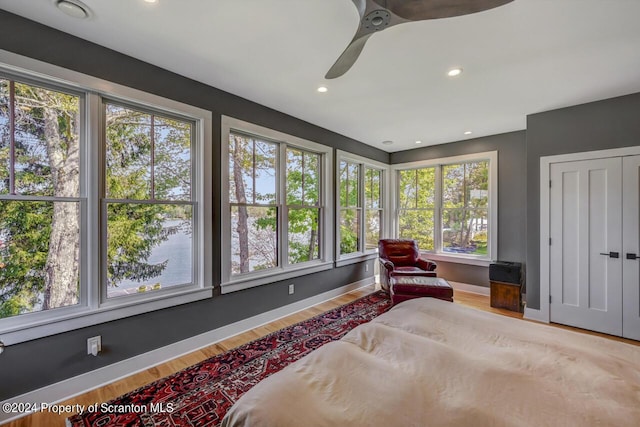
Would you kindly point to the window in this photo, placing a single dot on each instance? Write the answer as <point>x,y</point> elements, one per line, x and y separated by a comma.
<point>417,206</point>
<point>465,202</point>
<point>101,201</point>
<point>40,204</point>
<point>350,208</point>
<point>303,205</point>
<point>447,205</point>
<point>148,202</point>
<point>373,207</point>
<point>275,213</point>
<point>361,213</point>
<point>252,197</point>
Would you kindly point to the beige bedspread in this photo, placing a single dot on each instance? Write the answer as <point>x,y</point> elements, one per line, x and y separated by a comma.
<point>428,362</point>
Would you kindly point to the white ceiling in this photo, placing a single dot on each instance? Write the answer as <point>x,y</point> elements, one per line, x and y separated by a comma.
<point>525,57</point>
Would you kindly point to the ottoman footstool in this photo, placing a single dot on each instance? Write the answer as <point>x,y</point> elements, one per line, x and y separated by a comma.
<point>403,288</point>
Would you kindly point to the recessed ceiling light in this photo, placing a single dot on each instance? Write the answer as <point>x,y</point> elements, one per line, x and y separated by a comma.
<point>322,89</point>
<point>418,142</point>
<point>151,1</point>
<point>73,8</point>
<point>387,142</point>
<point>468,132</point>
<point>454,72</point>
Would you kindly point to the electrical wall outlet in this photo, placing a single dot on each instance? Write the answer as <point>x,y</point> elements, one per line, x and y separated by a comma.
<point>94,345</point>
<point>292,289</point>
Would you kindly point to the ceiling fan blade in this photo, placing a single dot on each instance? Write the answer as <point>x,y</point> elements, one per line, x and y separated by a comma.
<point>348,57</point>
<point>378,15</point>
<point>373,18</point>
<point>418,10</point>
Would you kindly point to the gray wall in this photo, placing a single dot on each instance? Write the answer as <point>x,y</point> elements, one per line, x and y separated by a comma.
<point>34,364</point>
<point>511,197</point>
<point>601,125</point>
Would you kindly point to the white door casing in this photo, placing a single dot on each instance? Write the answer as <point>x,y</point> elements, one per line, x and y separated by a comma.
<point>631,247</point>
<point>585,229</point>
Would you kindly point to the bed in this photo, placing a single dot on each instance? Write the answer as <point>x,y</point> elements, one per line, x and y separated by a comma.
<point>428,362</point>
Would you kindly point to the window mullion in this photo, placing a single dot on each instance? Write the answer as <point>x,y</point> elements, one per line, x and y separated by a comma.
<point>153,158</point>
<point>396,215</point>
<point>417,189</point>
<point>12,136</point>
<point>92,189</point>
<point>302,196</point>
<point>253,171</point>
<point>283,210</point>
<point>437,214</point>
<point>361,206</point>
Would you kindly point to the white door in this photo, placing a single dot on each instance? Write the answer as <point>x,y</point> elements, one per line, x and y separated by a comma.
<point>586,243</point>
<point>631,248</point>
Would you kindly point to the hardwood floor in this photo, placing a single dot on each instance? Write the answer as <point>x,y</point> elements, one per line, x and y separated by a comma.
<point>132,382</point>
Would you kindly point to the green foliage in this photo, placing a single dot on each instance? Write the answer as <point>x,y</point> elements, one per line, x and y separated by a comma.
<point>302,194</point>
<point>352,213</point>
<point>26,226</point>
<point>252,175</point>
<point>416,195</point>
<point>135,229</point>
<point>349,231</point>
<point>464,206</point>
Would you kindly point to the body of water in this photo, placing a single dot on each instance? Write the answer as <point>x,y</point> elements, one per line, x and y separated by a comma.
<point>177,250</point>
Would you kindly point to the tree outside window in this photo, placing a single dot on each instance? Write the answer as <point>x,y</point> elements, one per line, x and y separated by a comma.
<point>258,234</point>
<point>303,205</point>
<point>361,210</point>
<point>350,208</point>
<point>40,203</point>
<point>149,208</point>
<point>445,208</point>
<point>417,206</point>
<point>373,208</point>
<point>252,196</point>
<point>465,203</point>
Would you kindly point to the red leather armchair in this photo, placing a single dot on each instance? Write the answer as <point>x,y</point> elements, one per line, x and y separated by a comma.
<point>402,257</point>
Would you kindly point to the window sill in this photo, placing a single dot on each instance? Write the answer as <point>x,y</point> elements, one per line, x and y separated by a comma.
<point>458,259</point>
<point>238,284</point>
<point>85,316</point>
<point>355,258</point>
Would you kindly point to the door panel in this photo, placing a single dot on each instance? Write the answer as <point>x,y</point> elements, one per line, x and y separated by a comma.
<point>598,235</point>
<point>585,222</point>
<point>631,267</point>
<point>570,232</point>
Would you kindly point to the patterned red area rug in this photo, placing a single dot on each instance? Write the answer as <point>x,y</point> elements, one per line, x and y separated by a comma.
<point>201,394</point>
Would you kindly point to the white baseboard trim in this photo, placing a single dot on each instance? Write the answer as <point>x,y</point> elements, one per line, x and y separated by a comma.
<point>88,381</point>
<point>482,290</point>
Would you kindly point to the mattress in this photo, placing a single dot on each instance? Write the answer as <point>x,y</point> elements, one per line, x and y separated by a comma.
<point>429,362</point>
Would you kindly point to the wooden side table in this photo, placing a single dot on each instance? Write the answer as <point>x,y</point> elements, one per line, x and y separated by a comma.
<point>505,295</point>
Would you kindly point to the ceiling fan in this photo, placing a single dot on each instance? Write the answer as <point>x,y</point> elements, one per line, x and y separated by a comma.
<point>377,15</point>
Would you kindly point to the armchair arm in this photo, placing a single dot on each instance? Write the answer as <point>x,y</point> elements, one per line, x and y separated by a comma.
<point>387,264</point>
<point>426,264</point>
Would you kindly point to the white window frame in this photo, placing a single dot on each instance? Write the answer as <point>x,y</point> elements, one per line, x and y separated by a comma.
<point>92,309</point>
<point>362,254</point>
<point>438,254</point>
<point>231,283</point>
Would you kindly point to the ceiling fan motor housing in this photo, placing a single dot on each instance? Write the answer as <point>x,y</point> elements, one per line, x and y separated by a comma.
<point>376,21</point>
